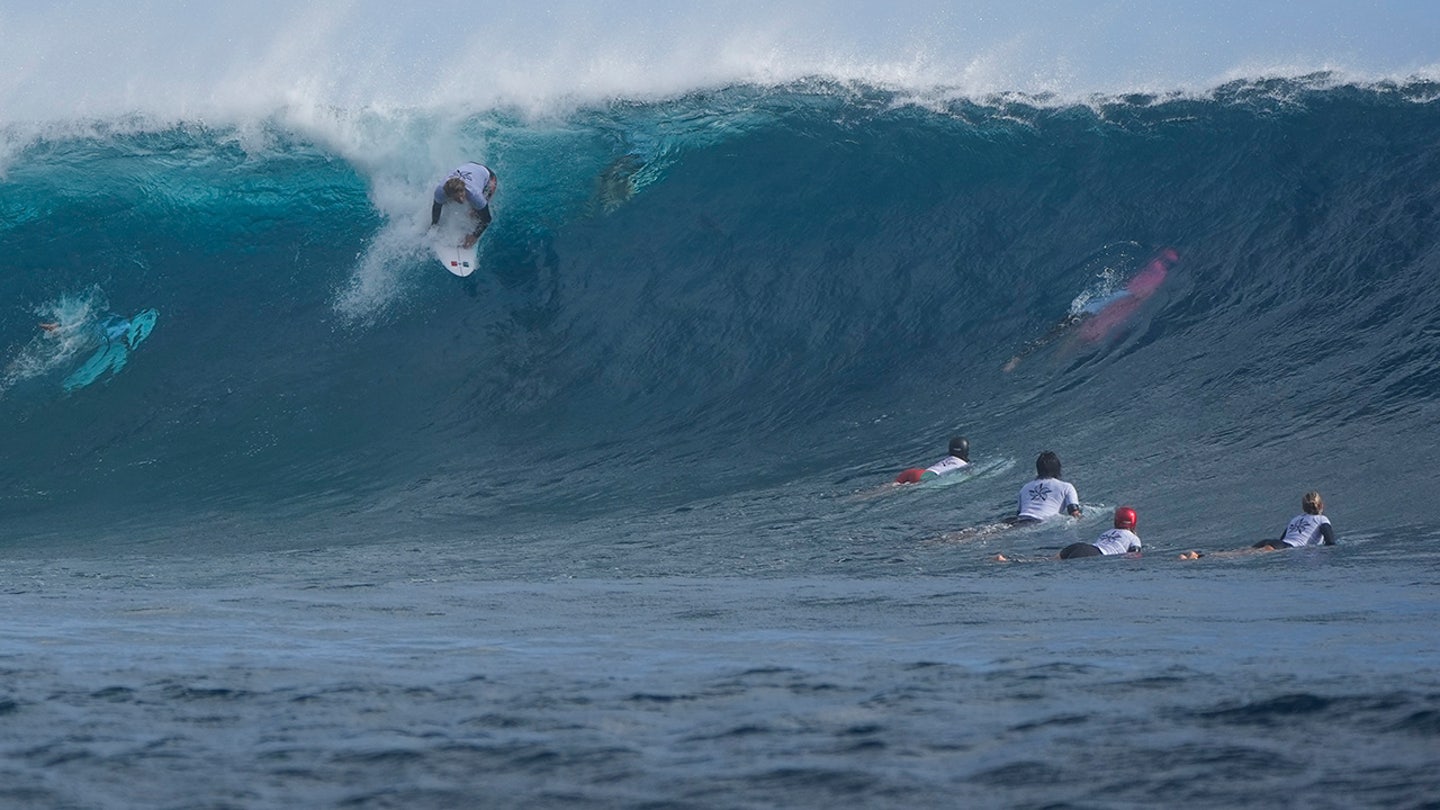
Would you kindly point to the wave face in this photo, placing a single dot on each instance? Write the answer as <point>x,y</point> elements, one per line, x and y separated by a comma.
<point>757,293</point>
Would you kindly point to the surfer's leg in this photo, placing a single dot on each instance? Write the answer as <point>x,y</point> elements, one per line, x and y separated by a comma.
<point>1080,550</point>
<point>910,476</point>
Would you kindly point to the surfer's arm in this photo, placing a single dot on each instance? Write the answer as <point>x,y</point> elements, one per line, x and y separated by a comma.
<point>482,214</point>
<point>1327,535</point>
<point>435,209</point>
<point>1044,340</point>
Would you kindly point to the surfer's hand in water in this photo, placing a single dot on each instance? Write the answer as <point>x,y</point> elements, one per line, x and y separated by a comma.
<point>469,241</point>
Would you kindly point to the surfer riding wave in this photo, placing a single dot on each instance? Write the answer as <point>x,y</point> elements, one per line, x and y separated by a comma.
<point>473,186</point>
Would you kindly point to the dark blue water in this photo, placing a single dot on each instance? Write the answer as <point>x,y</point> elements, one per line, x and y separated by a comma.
<point>606,527</point>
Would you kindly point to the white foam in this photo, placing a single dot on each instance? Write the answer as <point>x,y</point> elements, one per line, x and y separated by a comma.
<point>378,279</point>
<point>72,317</point>
<point>223,62</point>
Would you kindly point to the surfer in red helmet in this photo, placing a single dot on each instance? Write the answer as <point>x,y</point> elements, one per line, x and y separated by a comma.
<point>1120,540</point>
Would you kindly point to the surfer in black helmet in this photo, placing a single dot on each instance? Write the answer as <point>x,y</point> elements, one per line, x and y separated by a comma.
<point>958,460</point>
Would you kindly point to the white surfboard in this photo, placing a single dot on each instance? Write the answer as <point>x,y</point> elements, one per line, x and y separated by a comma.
<point>446,242</point>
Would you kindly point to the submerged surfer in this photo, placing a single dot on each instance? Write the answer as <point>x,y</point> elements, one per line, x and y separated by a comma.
<point>1309,528</point>
<point>110,327</point>
<point>1046,496</point>
<point>1120,540</point>
<point>958,459</point>
<point>472,185</point>
<point>116,335</point>
<point>1098,316</point>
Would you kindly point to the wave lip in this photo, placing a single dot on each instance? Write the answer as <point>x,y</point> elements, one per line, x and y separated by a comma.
<point>99,62</point>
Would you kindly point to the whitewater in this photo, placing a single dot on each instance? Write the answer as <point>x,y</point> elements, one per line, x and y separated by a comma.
<point>610,523</point>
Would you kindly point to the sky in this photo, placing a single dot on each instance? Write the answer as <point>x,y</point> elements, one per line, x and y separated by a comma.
<point>79,58</point>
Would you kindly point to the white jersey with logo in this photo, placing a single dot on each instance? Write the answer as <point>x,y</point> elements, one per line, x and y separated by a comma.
<point>1117,541</point>
<point>1304,530</point>
<point>476,177</point>
<point>1045,498</point>
<point>948,465</point>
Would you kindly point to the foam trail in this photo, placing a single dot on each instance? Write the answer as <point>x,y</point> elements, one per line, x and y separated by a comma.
<point>379,278</point>
<point>52,349</point>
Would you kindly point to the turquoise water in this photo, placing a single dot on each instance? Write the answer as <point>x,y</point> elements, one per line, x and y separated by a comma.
<point>608,527</point>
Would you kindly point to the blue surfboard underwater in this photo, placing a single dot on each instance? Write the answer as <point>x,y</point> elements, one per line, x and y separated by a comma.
<point>121,336</point>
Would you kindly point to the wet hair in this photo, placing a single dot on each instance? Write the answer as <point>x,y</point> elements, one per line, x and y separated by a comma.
<point>1312,503</point>
<point>454,186</point>
<point>960,448</point>
<point>1047,465</point>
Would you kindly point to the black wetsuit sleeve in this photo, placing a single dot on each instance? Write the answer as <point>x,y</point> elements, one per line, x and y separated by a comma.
<point>435,213</point>
<point>1327,535</point>
<point>484,215</point>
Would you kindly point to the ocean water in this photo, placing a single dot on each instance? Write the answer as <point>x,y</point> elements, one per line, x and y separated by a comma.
<point>608,525</point>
